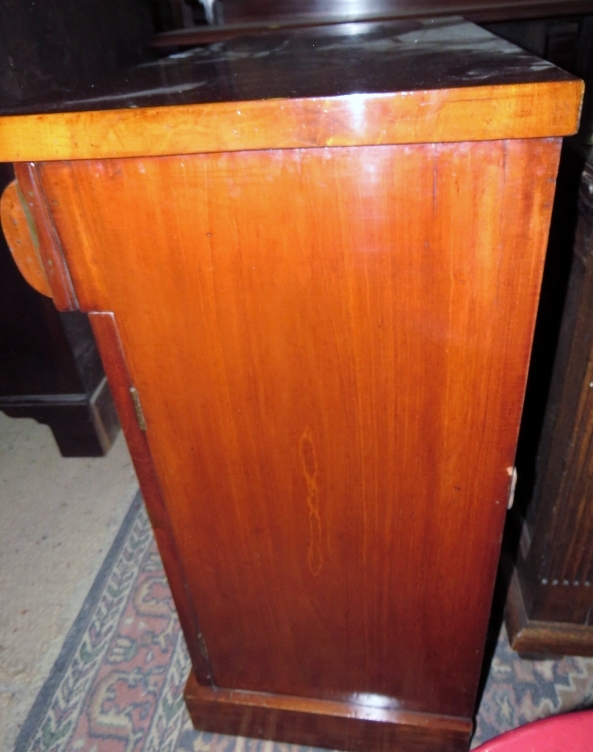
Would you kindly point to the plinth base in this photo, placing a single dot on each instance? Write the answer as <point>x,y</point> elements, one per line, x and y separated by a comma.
<point>322,723</point>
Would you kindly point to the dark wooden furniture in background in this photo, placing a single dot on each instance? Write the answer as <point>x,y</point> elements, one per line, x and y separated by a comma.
<point>239,17</point>
<point>313,278</point>
<point>56,47</point>
<point>475,10</point>
<point>550,601</point>
<point>50,369</point>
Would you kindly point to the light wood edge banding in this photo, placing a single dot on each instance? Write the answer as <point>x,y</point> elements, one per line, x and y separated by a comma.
<point>21,237</point>
<point>478,113</point>
<point>111,350</point>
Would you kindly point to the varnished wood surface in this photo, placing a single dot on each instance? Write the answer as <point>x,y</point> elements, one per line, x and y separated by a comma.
<point>22,239</point>
<point>323,723</point>
<point>41,225</point>
<point>330,348</point>
<point>406,82</point>
<point>485,113</point>
<point>364,58</point>
<point>107,336</point>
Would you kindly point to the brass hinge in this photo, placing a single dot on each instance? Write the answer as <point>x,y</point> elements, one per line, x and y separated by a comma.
<point>138,408</point>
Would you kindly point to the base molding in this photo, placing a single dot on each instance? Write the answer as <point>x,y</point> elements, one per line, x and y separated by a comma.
<point>534,636</point>
<point>322,723</point>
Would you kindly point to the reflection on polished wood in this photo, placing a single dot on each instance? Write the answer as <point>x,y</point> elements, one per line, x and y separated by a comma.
<point>319,359</point>
<point>235,18</point>
<point>415,81</point>
<point>474,10</point>
<point>367,722</point>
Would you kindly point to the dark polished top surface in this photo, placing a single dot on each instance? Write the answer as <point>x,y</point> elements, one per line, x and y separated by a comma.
<point>321,62</point>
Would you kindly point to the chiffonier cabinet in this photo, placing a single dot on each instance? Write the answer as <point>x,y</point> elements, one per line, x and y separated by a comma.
<point>312,261</point>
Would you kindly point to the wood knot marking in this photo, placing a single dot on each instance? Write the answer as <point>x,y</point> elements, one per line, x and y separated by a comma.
<point>309,464</point>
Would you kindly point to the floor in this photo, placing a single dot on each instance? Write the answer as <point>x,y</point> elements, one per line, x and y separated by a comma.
<point>54,535</point>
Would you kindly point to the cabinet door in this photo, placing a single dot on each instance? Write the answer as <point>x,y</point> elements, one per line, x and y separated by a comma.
<point>329,347</point>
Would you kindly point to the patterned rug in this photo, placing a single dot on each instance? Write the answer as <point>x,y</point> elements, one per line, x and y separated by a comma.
<point>117,685</point>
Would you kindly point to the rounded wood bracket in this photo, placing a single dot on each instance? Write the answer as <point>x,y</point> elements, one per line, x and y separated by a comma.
<point>21,236</point>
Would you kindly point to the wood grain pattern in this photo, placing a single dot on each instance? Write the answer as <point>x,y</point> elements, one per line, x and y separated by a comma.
<point>324,723</point>
<point>330,347</point>
<point>530,110</point>
<point>56,272</point>
<point>22,240</point>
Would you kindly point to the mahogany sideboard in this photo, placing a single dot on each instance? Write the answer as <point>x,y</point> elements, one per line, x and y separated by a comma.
<point>312,262</point>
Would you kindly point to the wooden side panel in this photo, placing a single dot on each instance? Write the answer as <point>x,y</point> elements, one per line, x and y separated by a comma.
<point>330,347</point>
